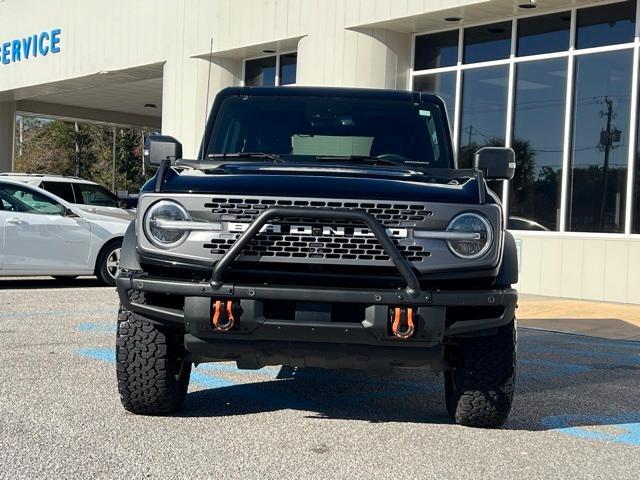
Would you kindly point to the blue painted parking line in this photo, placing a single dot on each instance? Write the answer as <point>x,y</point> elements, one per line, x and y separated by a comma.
<point>621,428</point>
<point>94,327</point>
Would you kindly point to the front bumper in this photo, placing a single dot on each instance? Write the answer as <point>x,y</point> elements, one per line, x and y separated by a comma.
<point>311,334</point>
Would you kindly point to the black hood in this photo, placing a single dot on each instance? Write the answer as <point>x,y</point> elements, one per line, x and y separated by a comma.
<point>326,181</point>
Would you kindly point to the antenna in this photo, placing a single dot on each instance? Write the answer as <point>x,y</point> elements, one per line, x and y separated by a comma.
<point>206,105</point>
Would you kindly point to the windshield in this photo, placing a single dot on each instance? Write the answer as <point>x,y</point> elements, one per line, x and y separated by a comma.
<point>305,128</point>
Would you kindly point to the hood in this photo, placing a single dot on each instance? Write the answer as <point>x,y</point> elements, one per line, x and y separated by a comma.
<point>324,181</point>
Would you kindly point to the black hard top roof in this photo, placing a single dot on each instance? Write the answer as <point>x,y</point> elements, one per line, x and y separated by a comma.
<point>294,91</point>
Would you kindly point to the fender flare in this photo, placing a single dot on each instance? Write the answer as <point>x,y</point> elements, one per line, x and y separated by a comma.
<point>129,254</point>
<point>508,273</point>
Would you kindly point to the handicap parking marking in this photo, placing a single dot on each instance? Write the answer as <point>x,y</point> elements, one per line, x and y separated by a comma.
<point>621,428</point>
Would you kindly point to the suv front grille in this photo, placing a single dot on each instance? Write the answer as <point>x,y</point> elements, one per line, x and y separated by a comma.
<point>317,246</point>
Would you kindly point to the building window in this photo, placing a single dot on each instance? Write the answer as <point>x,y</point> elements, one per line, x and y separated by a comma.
<point>436,51</point>
<point>606,25</point>
<point>544,34</point>
<point>288,66</point>
<point>601,111</point>
<point>483,115</point>
<point>487,42</point>
<point>572,149</point>
<point>443,85</point>
<point>538,135</point>
<point>271,71</point>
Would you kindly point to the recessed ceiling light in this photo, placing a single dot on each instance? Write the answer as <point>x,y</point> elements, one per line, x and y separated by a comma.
<point>528,4</point>
<point>268,51</point>
<point>453,19</point>
<point>150,105</point>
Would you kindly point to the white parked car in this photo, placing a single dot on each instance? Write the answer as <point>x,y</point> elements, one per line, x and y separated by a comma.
<point>86,195</point>
<point>42,234</point>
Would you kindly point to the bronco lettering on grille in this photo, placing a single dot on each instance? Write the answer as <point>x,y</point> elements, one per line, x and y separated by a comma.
<point>327,231</point>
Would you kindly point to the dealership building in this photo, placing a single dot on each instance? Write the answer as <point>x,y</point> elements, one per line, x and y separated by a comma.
<point>557,80</point>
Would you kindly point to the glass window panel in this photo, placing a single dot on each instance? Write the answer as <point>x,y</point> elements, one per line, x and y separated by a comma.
<point>538,133</point>
<point>487,42</point>
<point>96,195</point>
<point>437,50</point>
<point>483,114</point>
<point>599,145</point>
<point>288,64</point>
<point>260,72</point>
<point>606,25</point>
<point>60,189</point>
<point>544,34</point>
<point>443,85</point>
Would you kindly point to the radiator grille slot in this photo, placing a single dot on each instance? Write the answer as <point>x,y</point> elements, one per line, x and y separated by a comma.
<point>390,214</point>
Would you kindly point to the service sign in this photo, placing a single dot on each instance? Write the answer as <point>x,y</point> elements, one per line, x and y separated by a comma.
<point>30,47</point>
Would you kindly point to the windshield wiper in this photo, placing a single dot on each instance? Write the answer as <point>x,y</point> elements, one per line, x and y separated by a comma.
<point>258,155</point>
<point>362,158</point>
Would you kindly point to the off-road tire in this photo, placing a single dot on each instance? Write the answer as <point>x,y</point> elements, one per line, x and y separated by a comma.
<point>152,377</point>
<point>479,389</point>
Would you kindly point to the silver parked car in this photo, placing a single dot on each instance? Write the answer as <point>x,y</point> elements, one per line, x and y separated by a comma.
<point>41,234</point>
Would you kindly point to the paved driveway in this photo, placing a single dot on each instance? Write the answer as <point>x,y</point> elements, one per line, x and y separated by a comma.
<point>576,413</point>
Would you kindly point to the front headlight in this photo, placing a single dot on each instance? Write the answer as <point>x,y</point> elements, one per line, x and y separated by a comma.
<point>160,224</point>
<point>477,246</point>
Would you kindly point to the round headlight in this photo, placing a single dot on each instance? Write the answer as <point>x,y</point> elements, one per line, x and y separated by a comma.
<point>158,224</point>
<point>481,238</point>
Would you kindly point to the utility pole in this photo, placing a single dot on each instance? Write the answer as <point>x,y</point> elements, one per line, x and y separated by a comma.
<point>113,161</point>
<point>607,137</point>
<point>20,120</point>
<point>77,145</point>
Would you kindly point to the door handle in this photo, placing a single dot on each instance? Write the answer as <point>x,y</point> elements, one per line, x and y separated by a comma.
<point>15,221</point>
<point>92,210</point>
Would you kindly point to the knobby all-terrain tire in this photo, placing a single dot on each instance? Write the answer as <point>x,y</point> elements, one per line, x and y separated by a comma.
<point>479,389</point>
<point>152,377</point>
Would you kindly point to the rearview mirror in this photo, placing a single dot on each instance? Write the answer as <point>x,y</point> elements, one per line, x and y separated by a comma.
<point>497,163</point>
<point>161,147</point>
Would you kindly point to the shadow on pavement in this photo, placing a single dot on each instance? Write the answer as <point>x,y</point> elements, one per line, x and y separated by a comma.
<point>565,382</point>
<point>24,283</point>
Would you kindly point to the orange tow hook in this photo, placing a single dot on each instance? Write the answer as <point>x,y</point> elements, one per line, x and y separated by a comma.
<point>223,320</point>
<point>403,329</point>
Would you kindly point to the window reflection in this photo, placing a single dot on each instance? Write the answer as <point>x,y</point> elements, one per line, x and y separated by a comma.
<point>599,146</point>
<point>484,110</point>
<point>538,133</point>
<point>443,85</point>
<point>487,42</point>
<point>606,25</point>
<point>484,113</point>
<point>436,50</point>
<point>544,34</point>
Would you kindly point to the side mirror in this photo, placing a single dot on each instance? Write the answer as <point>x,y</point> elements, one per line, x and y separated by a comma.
<point>497,163</point>
<point>161,147</point>
<point>67,212</point>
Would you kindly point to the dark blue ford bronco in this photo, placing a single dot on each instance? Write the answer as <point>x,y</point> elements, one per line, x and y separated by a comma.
<point>320,227</point>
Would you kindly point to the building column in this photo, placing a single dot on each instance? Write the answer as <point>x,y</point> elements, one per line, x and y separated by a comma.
<point>364,57</point>
<point>7,135</point>
<point>185,106</point>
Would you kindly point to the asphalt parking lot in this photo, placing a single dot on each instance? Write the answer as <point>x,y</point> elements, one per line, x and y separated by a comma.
<point>576,413</point>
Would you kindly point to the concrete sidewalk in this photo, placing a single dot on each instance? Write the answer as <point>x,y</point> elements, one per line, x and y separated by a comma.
<point>615,321</point>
